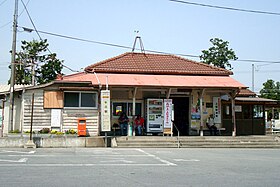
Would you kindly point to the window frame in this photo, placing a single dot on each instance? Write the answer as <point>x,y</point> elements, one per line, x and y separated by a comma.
<point>127,107</point>
<point>80,100</point>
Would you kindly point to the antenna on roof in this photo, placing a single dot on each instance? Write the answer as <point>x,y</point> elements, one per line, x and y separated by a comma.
<point>140,41</point>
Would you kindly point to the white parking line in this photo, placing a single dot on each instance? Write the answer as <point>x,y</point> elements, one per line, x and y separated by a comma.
<point>157,158</point>
<point>184,160</point>
<point>21,152</point>
<point>117,160</point>
<point>75,165</point>
<point>22,160</point>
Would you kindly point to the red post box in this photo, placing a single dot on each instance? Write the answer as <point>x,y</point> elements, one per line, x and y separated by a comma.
<point>82,127</point>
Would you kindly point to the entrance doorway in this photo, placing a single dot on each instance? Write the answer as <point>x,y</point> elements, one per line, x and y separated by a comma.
<point>181,115</point>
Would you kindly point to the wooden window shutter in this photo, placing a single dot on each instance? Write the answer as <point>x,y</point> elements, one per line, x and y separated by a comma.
<point>53,99</point>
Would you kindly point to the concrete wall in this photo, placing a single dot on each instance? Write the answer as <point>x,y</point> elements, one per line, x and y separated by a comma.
<point>54,142</point>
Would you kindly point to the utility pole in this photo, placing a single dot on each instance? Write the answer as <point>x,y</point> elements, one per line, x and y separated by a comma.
<point>12,79</point>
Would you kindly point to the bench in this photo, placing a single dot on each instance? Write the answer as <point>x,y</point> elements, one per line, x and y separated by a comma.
<point>219,129</point>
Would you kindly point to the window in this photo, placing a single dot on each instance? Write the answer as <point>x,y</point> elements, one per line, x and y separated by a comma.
<point>258,111</point>
<point>80,99</point>
<point>119,107</point>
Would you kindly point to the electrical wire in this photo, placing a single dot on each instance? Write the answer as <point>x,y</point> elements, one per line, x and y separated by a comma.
<point>33,24</point>
<point>227,8</point>
<point>4,25</point>
<point>126,47</point>
<point>3,2</point>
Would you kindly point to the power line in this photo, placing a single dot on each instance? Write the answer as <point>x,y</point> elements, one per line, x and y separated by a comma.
<point>30,30</point>
<point>4,25</point>
<point>259,71</point>
<point>32,22</point>
<point>126,47</point>
<point>227,8</point>
<point>260,61</point>
<point>2,2</point>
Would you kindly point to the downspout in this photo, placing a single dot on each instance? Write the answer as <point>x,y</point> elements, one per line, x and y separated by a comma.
<point>98,81</point>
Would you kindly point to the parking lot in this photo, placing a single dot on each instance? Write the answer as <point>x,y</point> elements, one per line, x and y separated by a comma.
<point>139,167</point>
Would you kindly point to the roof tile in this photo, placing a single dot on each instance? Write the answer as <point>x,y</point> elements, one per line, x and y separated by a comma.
<point>147,63</point>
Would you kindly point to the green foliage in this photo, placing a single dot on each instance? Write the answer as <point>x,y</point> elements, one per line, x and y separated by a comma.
<point>16,131</point>
<point>219,54</point>
<point>44,131</point>
<point>71,131</point>
<point>271,90</point>
<point>34,53</point>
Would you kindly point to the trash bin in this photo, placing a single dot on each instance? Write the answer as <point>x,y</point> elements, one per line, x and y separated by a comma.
<point>82,127</point>
<point>129,129</point>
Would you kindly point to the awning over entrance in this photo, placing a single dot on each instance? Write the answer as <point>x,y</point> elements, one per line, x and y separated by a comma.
<point>139,80</point>
<point>256,99</point>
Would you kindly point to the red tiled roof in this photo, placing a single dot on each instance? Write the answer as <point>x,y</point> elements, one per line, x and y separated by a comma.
<point>246,93</point>
<point>190,81</point>
<point>146,63</point>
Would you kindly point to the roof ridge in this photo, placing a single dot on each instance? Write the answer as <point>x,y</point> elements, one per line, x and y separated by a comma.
<point>127,64</point>
<point>201,63</point>
<point>106,61</point>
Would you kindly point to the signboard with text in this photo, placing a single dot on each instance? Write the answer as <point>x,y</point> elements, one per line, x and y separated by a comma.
<point>105,110</point>
<point>217,109</point>
<point>167,113</point>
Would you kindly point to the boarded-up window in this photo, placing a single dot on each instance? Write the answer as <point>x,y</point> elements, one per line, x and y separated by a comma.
<point>53,99</point>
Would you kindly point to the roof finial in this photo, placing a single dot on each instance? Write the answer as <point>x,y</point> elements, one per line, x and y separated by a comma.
<point>140,41</point>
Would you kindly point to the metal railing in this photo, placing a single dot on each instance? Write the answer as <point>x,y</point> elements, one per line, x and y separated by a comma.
<point>178,134</point>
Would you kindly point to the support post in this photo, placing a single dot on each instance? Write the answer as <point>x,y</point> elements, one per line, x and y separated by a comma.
<point>201,112</point>
<point>233,95</point>
<point>30,143</point>
<point>133,108</point>
<point>233,116</point>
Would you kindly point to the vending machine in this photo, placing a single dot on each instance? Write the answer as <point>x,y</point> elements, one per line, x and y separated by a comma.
<point>154,115</point>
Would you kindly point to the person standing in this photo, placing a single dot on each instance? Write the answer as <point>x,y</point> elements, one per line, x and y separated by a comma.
<point>123,121</point>
<point>139,124</point>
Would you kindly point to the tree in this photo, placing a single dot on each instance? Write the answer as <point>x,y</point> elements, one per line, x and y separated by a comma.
<point>219,54</point>
<point>271,90</point>
<point>33,55</point>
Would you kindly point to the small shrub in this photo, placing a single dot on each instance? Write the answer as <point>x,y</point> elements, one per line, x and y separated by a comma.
<point>28,132</point>
<point>44,131</point>
<point>16,131</point>
<point>59,133</point>
<point>71,131</point>
<point>53,132</point>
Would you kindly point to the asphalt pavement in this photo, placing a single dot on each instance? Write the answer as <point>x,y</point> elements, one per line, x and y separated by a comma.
<point>139,167</point>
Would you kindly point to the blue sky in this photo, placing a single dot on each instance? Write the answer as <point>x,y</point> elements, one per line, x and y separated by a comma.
<point>163,25</point>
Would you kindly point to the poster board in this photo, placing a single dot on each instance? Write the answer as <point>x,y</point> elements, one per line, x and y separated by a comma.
<point>55,118</point>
